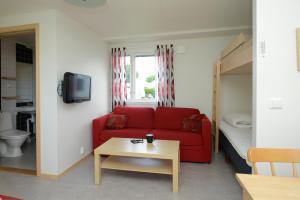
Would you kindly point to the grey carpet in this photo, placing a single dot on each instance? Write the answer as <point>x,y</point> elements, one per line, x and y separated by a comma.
<point>197,181</point>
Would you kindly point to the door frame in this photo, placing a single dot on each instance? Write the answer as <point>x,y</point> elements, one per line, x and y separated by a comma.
<point>34,28</point>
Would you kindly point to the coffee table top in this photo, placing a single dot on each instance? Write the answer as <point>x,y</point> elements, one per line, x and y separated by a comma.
<point>162,149</point>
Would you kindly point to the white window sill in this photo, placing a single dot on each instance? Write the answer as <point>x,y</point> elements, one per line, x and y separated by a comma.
<point>141,102</point>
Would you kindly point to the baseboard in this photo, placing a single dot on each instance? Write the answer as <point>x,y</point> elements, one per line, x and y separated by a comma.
<point>17,170</point>
<point>58,176</point>
<point>49,176</point>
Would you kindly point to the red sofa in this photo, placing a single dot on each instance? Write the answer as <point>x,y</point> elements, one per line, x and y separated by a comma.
<point>164,123</point>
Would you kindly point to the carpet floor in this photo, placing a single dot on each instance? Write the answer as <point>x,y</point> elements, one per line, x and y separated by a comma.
<point>197,181</point>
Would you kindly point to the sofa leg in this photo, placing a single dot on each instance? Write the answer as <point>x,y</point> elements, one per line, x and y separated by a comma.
<point>227,159</point>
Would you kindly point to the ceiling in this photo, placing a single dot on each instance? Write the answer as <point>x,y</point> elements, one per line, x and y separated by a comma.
<point>130,18</point>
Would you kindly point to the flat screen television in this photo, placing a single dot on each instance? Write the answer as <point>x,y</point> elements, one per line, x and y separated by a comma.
<point>76,88</point>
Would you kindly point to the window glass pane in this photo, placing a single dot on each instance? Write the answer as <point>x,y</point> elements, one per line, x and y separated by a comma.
<point>128,76</point>
<point>145,77</point>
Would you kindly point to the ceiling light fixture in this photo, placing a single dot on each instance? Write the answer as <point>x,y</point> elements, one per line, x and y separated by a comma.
<point>87,3</point>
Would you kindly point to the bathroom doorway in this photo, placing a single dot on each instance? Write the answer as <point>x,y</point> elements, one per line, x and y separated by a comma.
<point>20,100</point>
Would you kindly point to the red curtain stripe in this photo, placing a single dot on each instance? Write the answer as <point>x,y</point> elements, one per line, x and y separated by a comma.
<point>165,64</point>
<point>119,92</point>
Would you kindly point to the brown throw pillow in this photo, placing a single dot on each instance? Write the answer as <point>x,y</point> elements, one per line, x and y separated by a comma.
<point>115,121</point>
<point>192,123</point>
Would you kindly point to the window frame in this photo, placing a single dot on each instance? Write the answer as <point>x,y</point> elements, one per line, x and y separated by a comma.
<point>133,100</point>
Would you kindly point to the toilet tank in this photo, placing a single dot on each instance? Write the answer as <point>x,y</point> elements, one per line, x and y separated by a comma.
<point>5,121</point>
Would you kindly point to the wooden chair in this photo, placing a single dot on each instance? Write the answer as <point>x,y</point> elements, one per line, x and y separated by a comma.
<point>272,156</point>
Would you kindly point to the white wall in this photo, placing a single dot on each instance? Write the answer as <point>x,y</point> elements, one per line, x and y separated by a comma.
<point>276,74</point>
<point>25,81</point>
<point>48,81</point>
<point>23,87</point>
<point>8,69</point>
<point>236,94</point>
<point>193,69</point>
<point>66,45</point>
<point>81,51</point>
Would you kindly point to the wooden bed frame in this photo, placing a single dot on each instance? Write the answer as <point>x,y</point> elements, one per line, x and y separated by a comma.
<point>236,59</point>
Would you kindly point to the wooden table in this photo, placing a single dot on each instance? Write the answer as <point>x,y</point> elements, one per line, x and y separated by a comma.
<point>269,187</point>
<point>161,157</point>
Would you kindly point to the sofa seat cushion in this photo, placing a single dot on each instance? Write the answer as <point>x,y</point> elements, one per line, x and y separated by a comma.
<point>138,117</point>
<point>185,138</point>
<point>124,133</point>
<point>171,118</point>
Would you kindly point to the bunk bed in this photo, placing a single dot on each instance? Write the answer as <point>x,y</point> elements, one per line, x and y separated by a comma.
<point>234,142</point>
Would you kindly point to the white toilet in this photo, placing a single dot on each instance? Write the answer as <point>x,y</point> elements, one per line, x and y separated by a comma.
<point>11,140</point>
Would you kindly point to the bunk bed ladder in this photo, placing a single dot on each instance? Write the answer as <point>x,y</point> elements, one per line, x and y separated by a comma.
<point>216,104</point>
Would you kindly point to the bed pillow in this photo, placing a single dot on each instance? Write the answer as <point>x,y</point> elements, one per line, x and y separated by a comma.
<point>192,123</point>
<point>239,120</point>
<point>116,121</point>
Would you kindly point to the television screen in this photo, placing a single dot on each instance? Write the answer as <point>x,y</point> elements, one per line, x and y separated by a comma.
<point>77,88</point>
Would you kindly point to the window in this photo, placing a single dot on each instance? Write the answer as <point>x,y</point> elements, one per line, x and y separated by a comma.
<point>141,78</point>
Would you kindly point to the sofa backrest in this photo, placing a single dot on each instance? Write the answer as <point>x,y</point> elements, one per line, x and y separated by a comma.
<point>171,118</point>
<point>138,117</point>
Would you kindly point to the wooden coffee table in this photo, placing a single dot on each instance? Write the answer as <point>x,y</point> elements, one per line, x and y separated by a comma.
<point>161,157</point>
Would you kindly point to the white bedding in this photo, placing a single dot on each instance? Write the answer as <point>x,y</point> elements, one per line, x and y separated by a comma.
<point>240,138</point>
<point>238,120</point>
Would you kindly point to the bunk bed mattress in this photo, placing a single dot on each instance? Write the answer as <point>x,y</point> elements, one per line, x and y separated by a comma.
<point>240,138</point>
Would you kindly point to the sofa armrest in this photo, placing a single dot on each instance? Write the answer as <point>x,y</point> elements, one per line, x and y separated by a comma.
<point>98,126</point>
<point>207,136</point>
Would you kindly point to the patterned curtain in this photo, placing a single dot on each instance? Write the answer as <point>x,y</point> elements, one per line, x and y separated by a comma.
<point>166,90</point>
<point>119,94</point>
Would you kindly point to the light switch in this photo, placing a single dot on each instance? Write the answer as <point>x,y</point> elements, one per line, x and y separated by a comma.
<point>276,103</point>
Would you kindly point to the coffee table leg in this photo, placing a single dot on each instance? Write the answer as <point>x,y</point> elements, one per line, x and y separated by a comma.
<point>97,168</point>
<point>179,160</point>
<point>175,165</point>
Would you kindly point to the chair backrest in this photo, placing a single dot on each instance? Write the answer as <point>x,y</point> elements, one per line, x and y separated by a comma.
<point>272,155</point>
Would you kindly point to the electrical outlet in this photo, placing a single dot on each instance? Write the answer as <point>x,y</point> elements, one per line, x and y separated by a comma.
<point>81,150</point>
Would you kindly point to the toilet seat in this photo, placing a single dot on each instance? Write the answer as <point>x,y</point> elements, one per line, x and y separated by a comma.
<point>13,134</point>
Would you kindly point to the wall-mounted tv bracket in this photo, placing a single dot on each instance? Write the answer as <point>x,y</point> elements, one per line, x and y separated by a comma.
<point>60,88</point>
